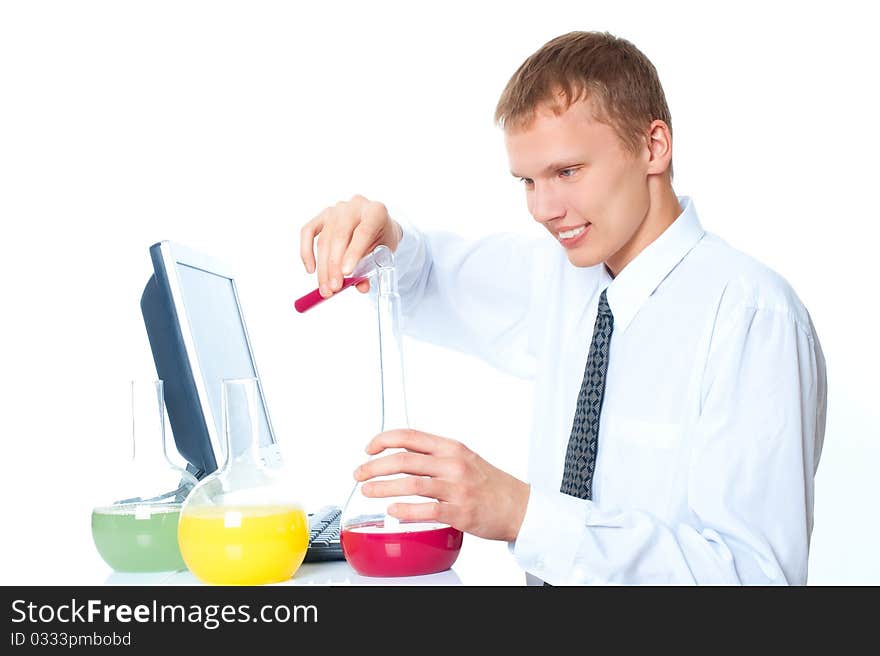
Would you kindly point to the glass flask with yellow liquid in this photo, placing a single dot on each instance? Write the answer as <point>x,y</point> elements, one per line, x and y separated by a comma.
<point>242,524</point>
<point>374,542</point>
<point>137,531</point>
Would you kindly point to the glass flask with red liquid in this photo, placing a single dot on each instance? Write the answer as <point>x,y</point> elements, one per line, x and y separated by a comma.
<point>375,543</point>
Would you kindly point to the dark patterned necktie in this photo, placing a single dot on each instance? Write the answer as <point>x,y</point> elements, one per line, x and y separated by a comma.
<point>580,458</point>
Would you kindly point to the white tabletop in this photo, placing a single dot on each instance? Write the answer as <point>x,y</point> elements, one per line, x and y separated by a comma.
<point>481,562</point>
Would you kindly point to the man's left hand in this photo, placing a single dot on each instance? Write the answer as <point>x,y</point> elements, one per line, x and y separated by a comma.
<point>471,495</point>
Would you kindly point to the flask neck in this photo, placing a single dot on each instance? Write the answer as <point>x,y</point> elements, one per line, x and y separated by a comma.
<point>148,424</point>
<point>394,412</point>
<point>241,434</point>
<point>237,454</point>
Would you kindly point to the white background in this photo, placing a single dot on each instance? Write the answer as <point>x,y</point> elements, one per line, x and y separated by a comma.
<point>225,126</point>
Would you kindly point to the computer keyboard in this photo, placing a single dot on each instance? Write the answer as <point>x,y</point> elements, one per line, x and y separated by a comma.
<point>324,543</point>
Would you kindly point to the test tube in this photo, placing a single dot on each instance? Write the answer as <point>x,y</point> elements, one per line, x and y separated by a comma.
<point>366,268</point>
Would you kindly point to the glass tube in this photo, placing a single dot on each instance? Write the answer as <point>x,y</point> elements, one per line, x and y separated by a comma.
<point>374,542</point>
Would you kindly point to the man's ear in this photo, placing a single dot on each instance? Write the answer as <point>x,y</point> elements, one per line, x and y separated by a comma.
<point>659,143</point>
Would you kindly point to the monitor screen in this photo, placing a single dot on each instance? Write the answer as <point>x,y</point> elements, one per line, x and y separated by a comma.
<point>219,337</point>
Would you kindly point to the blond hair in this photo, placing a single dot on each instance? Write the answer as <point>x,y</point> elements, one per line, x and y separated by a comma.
<point>620,81</point>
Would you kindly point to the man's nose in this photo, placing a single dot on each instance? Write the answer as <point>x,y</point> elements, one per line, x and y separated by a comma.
<point>546,205</point>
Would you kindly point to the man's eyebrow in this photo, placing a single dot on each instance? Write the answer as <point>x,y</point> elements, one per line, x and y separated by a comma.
<point>555,166</point>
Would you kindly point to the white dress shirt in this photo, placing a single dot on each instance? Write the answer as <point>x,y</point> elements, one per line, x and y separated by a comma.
<point>714,408</point>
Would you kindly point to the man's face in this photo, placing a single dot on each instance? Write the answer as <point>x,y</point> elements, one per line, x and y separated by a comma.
<point>581,184</point>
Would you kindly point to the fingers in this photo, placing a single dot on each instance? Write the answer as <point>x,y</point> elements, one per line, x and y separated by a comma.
<point>363,287</point>
<point>402,462</point>
<point>307,241</point>
<point>422,512</point>
<point>345,233</point>
<point>323,247</point>
<point>365,235</point>
<point>409,486</point>
<point>361,240</point>
<point>417,441</point>
<point>339,241</point>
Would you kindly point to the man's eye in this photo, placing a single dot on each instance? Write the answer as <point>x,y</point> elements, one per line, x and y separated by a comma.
<point>567,173</point>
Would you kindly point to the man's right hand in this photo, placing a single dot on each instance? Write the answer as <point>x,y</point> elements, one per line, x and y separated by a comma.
<point>346,232</point>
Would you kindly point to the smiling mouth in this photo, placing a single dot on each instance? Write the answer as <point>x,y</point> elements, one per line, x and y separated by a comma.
<point>571,234</point>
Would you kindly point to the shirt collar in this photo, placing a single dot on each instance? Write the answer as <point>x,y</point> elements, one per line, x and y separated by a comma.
<point>638,280</point>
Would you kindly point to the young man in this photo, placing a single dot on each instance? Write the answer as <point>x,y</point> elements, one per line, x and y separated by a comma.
<point>681,393</point>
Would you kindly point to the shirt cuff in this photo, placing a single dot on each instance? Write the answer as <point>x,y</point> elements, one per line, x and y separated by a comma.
<point>550,535</point>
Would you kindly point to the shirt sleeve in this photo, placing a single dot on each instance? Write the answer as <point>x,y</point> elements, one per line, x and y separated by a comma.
<point>474,297</point>
<point>752,459</point>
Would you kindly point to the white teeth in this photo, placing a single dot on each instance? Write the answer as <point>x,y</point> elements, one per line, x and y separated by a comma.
<point>568,234</point>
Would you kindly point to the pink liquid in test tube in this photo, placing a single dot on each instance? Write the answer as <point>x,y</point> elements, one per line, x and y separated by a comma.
<point>314,297</point>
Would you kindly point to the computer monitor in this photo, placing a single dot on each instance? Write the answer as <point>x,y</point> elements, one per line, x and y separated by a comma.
<point>197,334</point>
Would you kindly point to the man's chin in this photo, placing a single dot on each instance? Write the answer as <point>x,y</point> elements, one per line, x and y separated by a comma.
<point>583,259</point>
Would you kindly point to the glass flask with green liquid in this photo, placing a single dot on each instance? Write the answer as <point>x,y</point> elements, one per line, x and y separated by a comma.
<point>137,530</point>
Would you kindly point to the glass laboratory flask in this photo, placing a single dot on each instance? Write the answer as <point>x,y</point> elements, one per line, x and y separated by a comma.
<point>137,532</point>
<point>242,524</point>
<point>375,543</point>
